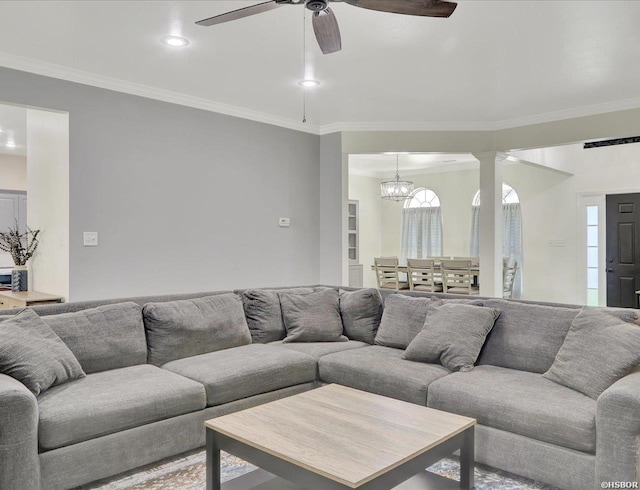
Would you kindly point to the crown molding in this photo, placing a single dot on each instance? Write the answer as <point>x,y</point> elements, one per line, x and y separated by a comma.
<point>584,111</point>
<point>344,127</point>
<point>576,112</point>
<point>141,90</point>
<point>436,169</point>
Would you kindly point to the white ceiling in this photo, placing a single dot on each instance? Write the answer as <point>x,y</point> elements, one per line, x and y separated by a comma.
<point>13,128</point>
<point>493,64</point>
<point>384,166</point>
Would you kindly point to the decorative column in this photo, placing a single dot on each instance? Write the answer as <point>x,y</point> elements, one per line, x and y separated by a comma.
<point>490,223</point>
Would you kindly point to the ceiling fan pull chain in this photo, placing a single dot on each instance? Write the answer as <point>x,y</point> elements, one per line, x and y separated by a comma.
<point>304,64</point>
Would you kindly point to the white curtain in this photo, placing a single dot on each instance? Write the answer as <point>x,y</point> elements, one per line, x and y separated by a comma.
<point>511,238</point>
<point>474,247</point>
<point>421,233</point>
<point>512,241</point>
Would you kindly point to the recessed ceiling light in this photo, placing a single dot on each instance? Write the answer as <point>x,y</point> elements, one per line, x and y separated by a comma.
<point>308,83</point>
<point>175,41</point>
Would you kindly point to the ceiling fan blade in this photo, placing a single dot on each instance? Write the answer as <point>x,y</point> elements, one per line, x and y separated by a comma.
<point>325,25</point>
<point>426,8</point>
<point>240,13</point>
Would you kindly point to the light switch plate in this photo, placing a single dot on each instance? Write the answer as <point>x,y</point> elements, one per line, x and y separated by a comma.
<point>556,243</point>
<point>90,238</point>
<point>284,222</point>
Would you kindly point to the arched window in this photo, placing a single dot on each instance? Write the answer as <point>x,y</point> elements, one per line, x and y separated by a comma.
<point>421,226</point>
<point>509,196</point>
<point>511,232</point>
<point>422,198</point>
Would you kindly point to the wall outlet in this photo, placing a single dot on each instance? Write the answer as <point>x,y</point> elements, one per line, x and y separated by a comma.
<point>284,222</point>
<point>90,238</point>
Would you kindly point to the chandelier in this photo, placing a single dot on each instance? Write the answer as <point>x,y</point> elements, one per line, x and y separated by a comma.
<point>396,190</point>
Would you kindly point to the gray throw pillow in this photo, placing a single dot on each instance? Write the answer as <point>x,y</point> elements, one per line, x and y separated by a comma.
<point>402,319</point>
<point>361,312</point>
<point>103,338</point>
<point>34,355</point>
<point>599,350</point>
<point>453,335</point>
<point>312,317</point>
<point>264,315</point>
<point>187,328</point>
<point>526,336</point>
<point>437,301</point>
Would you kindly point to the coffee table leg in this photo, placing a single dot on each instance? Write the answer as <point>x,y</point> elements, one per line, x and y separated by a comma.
<point>467,460</point>
<point>213,462</point>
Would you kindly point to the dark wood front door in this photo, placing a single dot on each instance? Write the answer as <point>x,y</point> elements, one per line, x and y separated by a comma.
<point>623,249</point>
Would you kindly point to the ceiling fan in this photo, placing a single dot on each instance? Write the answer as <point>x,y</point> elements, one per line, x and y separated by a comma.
<point>325,23</point>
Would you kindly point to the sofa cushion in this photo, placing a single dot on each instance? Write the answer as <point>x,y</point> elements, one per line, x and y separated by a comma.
<point>526,336</point>
<point>240,372</point>
<point>361,312</point>
<point>381,370</point>
<point>34,355</point>
<point>402,320</point>
<point>112,401</point>
<point>105,337</point>
<point>319,349</point>
<point>600,348</point>
<point>312,317</point>
<point>264,317</point>
<point>185,328</point>
<point>520,402</point>
<point>453,335</point>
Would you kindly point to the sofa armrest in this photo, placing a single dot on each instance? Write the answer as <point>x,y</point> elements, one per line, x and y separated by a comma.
<point>618,431</point>
<point>19,460</point>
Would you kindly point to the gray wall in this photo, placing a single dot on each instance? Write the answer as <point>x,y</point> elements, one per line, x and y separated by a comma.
<point>184,200</point>
<point>333,199</point>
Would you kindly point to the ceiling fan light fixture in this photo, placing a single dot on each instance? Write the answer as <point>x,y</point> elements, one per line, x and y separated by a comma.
<point>308,83</point>
<point>317,5</point>
<point>175,41</point>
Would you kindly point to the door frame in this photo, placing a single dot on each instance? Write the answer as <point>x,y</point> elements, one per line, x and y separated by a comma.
<point>584,200</point>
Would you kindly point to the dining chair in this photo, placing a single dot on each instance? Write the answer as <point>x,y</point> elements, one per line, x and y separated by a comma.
<point>509,268</point>
<point>387,273</point>
<point>423,275</point>
<point>474,260</point>
<point>457,277</point>
<point>439,258</point>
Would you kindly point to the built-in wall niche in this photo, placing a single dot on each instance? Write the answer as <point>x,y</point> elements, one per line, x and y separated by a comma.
<point>353,231</point>
<point>353,224</point>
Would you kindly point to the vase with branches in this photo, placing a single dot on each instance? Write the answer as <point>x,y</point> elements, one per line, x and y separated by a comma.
<point>21,246</point>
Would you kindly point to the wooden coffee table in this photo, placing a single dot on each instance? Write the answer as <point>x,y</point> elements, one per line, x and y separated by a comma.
<point>337,438</point>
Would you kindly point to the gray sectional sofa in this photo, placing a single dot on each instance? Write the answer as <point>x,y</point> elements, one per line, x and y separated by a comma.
<point>148,391</point>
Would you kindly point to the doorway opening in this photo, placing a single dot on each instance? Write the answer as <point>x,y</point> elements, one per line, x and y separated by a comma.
<point>34,192</point>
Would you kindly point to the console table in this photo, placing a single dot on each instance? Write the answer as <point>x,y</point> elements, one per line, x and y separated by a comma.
<point>10,299</point>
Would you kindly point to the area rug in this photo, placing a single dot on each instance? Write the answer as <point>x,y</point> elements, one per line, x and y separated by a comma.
<point>187,472</point>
